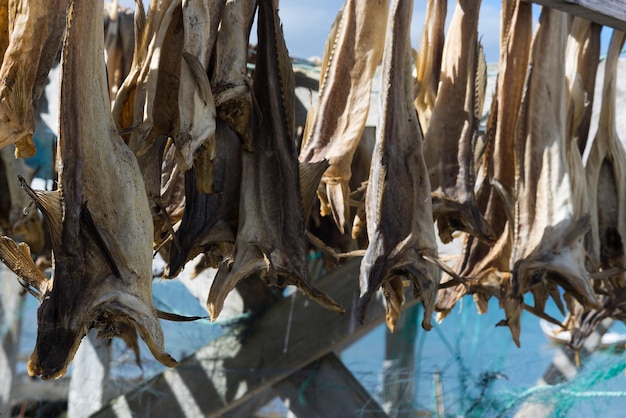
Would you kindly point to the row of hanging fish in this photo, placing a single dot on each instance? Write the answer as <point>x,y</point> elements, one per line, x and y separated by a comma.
<point>178,149</point>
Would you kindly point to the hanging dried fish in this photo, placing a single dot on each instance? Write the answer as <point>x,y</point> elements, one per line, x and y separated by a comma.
<point>448,143</point>
<point>353,51</point>
<point>35,33</point>
<point>210,220</point>
<point>606,181</point>
<point>428,60</point>
<point>488,265</point>
<point>196,105</point>
<point>119,39</point>
<point>145,109</point>
<point>548,236</point>
<point>270,241</point>
<point>230,80</point>
<point>398,208</point>
<point>102,280</point>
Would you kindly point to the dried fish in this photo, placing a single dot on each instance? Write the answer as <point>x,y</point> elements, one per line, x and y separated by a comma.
<point>103,280</point>
<point>210,220</point>
<point>35,34</point>
<point>548,237</point>
<point>230,79</point>
<point>428,60</point>
<point>399,223</point>
<point>196,105</point>
<point>448,142</point>
<point>270,240</point>
<point>353,53</point>
<point>488,265</point>
<point>119,39</point>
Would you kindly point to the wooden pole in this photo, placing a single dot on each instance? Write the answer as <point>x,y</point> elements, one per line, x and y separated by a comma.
<point>11,304</point>
<point>605,12</point>
<point>235,367</point>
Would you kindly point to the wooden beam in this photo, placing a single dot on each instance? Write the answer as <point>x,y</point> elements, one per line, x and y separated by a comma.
<point>235,367</point>
<point>605,12</point>
<point>11,303</point>
<point>326,388</point>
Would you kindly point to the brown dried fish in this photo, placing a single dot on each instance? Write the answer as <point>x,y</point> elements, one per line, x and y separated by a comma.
<point>399,212</point>
<point>548,237</point>
<point>35,34</point>
<point>606,174</point>
<point>448,142</point>
<point>104,279</point>
<point>210,219</point>
<point>488,265</point>
<point>196,105</point>
<point>119,39</point>
<point>270,240</point>
<point>428,60</point>
<point>230,79</point>
<point>352,55</point>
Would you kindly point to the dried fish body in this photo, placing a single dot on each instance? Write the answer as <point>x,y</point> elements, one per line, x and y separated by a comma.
<point>606,174</point>
<point>399,223</point>
<point>119,39</point>
<point>195,96</point>
<point>488,265</point>
<point>103,280</point>
<point>145,108</point>
<point>350,62</point>
<point>270,240</point>
<point>548,238</point>
<point>448,143</point>
<point>230,80</point>
<point>35,34</point>
<point>209,220</point>
<point>428,60</point>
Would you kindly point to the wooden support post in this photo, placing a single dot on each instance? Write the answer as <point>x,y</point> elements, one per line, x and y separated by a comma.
<point>326,388</point>
<point>11,303</point>
<point>237,366</point>
<point>605,12</point>
<point>90,376</point>
<point>399,368</point>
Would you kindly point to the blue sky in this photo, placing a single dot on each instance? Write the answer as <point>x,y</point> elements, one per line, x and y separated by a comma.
<point>306,24</point>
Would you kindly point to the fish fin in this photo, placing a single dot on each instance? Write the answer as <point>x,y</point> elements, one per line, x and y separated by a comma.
<point>250,261</point>
<point>102,243</point>
<point>310,175</point>
<point>169,316</point>
<point>18,259</point>
<point>49,203</point>
<point>393,290</point>
<point>337,193</point>
<point>480,85</point>
<point>200,77</point>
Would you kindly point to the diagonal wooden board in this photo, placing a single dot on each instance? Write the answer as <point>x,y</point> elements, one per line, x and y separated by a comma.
<point>235,367</point>
<point>605,12</point>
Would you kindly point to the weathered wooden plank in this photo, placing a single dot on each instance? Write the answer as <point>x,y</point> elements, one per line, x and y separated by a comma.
<point>326,388</point>
<point>235,367</point>
<point>605,12</point>
<point>90,376</point>
<point>11,302</point>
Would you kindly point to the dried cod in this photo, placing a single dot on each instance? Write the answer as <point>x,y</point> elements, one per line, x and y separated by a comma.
<point>103,280</point>
<point>488,265</point>
<point>353,52</point>
<point>398,208</point>
<point>448,142</point>
<point>548,236</point>
<point>230,80</point>
<point>270,240</point>
<point>428,60</point>
<point>35,31</point>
